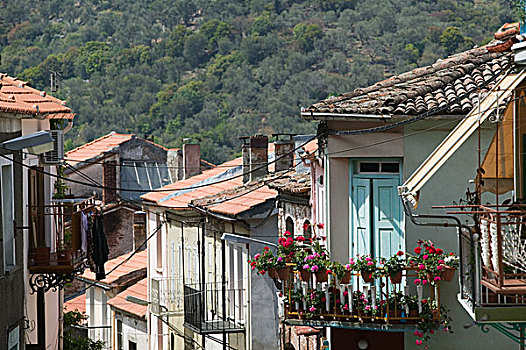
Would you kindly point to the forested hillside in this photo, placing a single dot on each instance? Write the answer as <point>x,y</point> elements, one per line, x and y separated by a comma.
<point>217,70</point>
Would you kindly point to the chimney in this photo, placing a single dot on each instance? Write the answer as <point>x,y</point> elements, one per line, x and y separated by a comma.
<point>174,160</point>
<point>255,157</point>
<point>139,229</point>
<point>191,159</point>
<point>283,152</point>
<point>109,179</point>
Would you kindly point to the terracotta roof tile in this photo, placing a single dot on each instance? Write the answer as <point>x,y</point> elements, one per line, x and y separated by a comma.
<point>16,96</point>
<point>423,89</point>
<point>134,265</point>
<point>78,303</point>
<point>97,147</point>
<point>138,290</point>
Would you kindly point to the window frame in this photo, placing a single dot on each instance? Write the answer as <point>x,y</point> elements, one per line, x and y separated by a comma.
<point>8,228</point>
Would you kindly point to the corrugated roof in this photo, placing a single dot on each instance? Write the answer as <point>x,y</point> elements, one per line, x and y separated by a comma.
<point>138,290</point>
<point>423,89</point>
<point>16,96</point>
<point>136,263</point>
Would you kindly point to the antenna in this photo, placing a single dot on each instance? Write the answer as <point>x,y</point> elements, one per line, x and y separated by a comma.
<point>53,80</point>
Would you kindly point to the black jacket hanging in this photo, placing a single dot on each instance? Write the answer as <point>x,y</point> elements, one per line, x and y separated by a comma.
<point>100,247</point>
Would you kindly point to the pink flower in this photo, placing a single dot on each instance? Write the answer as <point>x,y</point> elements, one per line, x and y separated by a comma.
<point>382,302</point>
<point>425,257</point>
<point>440,261</point>
<point>418,342</point>
<point>315,268</point>
<point>338,301</point>
<point>347,267</point>
<point>306,267</point>
<point>257,256</point>
<point>280,259</point>
<point>367,307</point>
<point>312,309</point>
<point>439,267</point>
<point>345,293</point>
<point>424,282</point>
<point>370,263</point>
<point>345,307</point>
<point>417,281</point>
<point>437,278</point>
<point>416,332</point>
<point>421,267</point>
<point>368,259</point>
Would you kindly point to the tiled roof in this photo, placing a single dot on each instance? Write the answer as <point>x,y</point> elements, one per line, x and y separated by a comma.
<point>16,96</point>
<point>239,199</point>
<point>423,89</point>
<point>78,303</point>
<point>130,269</point>
<point>295,184</point>
<point>181,196</point>
<point>138,290</point>
<point>97,147</point>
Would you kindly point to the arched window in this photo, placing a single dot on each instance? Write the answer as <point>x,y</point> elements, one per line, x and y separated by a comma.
<point>307,229</point>
<point>289,225</point>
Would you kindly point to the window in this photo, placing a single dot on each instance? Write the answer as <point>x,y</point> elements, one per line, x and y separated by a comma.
<point>378,167</point>
<point>13,339</point>
<point>159,241</point>
<point>8,209</point>
<point>119,335</point>
<point>132,345</point>
<point>307,229</point>
<point>289,225</point>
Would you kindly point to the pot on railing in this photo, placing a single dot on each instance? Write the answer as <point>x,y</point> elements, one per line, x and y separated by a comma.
<point>40,256</point>
<point>367,276</point>
<point>273,273</point>
<point>448,273</point>
<point>284,273</point>
<point>396,278</point>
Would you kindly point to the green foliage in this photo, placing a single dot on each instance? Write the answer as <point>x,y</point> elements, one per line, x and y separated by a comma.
<point>218,70</point>
<point>73,340</point>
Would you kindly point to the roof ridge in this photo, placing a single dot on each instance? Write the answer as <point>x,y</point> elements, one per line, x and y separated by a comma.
<point>113,133</point>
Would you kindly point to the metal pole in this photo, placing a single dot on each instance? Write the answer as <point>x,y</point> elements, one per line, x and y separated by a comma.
<point>223,284</point>
<point>41,318</point>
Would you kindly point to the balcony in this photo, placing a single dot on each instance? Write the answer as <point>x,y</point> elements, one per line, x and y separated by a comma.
<point>379,305</point>
<point>55,236</point>
<point>166,294</point>
<point>493,263</point>
<point>213,308</point>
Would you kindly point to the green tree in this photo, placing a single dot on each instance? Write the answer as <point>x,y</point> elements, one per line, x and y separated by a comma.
<point>72,340</point>
<point>451,39</point>
<point>306,34</point>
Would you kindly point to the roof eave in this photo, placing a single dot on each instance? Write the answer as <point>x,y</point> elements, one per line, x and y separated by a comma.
<point>327,116</point>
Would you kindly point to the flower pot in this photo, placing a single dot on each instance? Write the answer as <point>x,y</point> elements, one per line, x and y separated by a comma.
<point>284,273</point>
<point>448,273</point>
<point>346,278</point>
<point>367,277</point>
<point>272,273</point>
<point>64,257</point>
<point>413,314</point>
<point>396,278</point>
<point>40,256</point>
<point>321,275</point>
<point>304,275</point>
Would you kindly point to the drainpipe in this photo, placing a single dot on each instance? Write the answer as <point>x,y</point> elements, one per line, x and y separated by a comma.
<point>459,225</point>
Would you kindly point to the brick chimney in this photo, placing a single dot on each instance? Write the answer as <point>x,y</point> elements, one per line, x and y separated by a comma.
<point>283,151</point>
<point>191,159</point>
<point>139,229</point>
<point>255,157</point>
<point>109,179</point>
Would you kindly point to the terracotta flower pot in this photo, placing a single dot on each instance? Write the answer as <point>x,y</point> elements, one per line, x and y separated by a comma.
<point>346,278</point>
<point>40,256</point>
<point>367,277</point>
<point>64,257</point>
<point>272,273</point>
<point>448,273</point>
<point>396,278</point>
<point>413,313</point>
<point>304,275</point>
<point>284,273</point>
<point>321,275</point>
<point>393,314</point>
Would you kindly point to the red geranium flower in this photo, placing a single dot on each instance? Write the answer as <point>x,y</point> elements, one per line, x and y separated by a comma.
<point>320,226</point>
<point>287,233</point>
<point>400,253</point>
<point>418,250</point>
<point>300,238</point>
<point>439,251</point>
<point>305,226</point>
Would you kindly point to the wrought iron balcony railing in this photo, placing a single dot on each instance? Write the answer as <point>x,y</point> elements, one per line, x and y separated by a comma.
<point>166,294</point>
<point>493,257</point>
<point>55,241</point>
<point>213,308</point>
<point>378,304</point>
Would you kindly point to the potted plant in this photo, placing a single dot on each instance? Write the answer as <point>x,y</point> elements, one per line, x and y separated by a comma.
<point>394,266</point>
<point>317,262</point>
<point>428,261</point>
<point>316,303</point>
<point>262,261</point>
<point>451,263</point>
<point>301,266</point>
<point>432,319</point>
<point>342,272</point>
<point>367,267</point>
<point>282,270</point>
<point>288,246</point>
<point>412,305</point>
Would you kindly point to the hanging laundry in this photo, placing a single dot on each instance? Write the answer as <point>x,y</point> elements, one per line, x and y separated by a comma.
<point>84,227</point>
<point>100,246</point>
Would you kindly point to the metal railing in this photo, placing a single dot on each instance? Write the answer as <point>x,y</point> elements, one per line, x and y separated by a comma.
<point>55,238</point>
<point>214,308</point>
<point>166,294</point>
<point>343,302</point>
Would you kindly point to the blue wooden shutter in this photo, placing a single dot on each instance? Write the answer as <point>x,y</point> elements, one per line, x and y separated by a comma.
<point>361,237</point>
<point>386,217</point>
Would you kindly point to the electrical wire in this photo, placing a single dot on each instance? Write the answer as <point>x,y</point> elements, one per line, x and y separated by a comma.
<point>192,187</point>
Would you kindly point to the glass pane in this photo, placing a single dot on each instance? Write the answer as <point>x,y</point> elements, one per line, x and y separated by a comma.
<point>369,167</point>
<point>390,168</point>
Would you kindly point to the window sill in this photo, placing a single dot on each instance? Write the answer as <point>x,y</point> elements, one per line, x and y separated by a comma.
<point>11,269</point>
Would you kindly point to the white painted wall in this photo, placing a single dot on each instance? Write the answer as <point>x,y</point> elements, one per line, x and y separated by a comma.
<point>134,329</point>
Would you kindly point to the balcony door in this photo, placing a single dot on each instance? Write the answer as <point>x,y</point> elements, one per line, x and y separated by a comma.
<point>375,208</point>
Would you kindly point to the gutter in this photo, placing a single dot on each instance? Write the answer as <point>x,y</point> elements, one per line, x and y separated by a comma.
<point>341,116</point>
